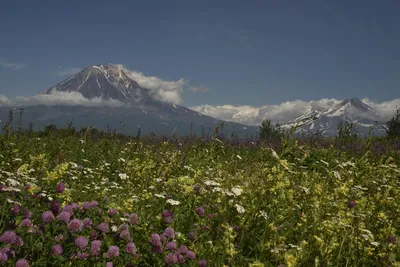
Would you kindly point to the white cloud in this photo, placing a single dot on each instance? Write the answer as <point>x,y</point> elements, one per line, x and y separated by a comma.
<point>67,71</point>
<point>4,101</point>
<point>383,111</point>
<point>241,114</point>
<point>168,91</point>
<point>199,89</point>
<point>11,65</point>
<point>59,98</point>
<point>289,110</point>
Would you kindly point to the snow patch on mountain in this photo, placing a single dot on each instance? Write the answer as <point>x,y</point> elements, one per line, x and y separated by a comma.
<point>326,121</point>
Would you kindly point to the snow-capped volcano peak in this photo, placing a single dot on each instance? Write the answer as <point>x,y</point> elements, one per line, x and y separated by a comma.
<point>352,107</point>
<point>352,110</point>
<point>103,81</point>
<point>356,103</point>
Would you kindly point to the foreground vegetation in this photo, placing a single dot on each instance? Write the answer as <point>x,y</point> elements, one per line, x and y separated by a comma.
<point>94,199</point>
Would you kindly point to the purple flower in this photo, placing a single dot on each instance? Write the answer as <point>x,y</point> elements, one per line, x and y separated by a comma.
<point>86,205</point>
<point>75,206</point>
<point>157,249</point>
<point>166,213</point>
<point>181,259</point>
<point>183,249</point>
<point>200,211</point>
<point>68,208</point>
<point>82,255</point>
<point>155,240</point>
<point>93,235</point>
<point>64,216</point>
<point>112,212</point>
<point>190,255</point>
<point>192,236</point>
<point>391,239</point>
<point>103,227</point>
<point>3,257</point>
<point>171,246</point>
<point>47,216</point>
<point>130,248</point>
<point>351,204</point>
<point>10,253</point>
<point>57,250</point>
<point>15,209</point>
<point>125,235</point>
<point>81,242</point>
<point>163,237</point>
<point>19,242</point>
<point>94,203</point>
<point>27,187</point>
<point>96,247</point>
<point>113,251</point>
<point>171,259</point>
<point>202,263</point>
<point>109,264</point>
<point>8,237</point>
<point>75,226</point>
<point>89,205</point>
<point>133,218</point>
<point>169,232</point>
<point>60,187</point>
<point>26,213</point>
<point>168,219</point>
<point>169,197</point>
<point>55,207</point>
<point>87,222</point>
<point>168,216</point>
<point>26,222</point>
<point>22,263</point>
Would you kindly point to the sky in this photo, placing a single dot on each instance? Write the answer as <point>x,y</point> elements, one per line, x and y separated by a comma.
<point>216,55</point>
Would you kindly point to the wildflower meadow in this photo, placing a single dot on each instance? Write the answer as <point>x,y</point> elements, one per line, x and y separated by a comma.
<point>81,199</point>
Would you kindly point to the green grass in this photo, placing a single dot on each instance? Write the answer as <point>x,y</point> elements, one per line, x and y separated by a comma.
<point>288,207</point>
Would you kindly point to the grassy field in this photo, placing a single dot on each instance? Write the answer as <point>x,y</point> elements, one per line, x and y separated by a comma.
<point>78,199</point>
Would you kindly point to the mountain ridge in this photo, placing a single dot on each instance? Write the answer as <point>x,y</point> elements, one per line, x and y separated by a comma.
<point>107,81</point>
<point>326,122</point>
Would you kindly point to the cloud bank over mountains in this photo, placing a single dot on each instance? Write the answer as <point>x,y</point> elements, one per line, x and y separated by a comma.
<point>59,98</point>
<point>290,110</point>
<point>167,91</point>
<point>246,114</point>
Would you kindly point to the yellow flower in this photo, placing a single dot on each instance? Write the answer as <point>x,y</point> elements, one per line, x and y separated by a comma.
<point>290,260</point>
<point>58,172</point>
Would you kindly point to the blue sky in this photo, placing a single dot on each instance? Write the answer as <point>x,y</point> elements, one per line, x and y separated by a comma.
<point>245,53</point>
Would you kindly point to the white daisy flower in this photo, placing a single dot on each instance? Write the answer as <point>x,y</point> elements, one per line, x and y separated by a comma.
<point>173,202</point>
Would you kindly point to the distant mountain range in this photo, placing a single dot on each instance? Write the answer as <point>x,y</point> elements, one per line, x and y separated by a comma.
<point>326,122</point>
<point>142,110</point>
